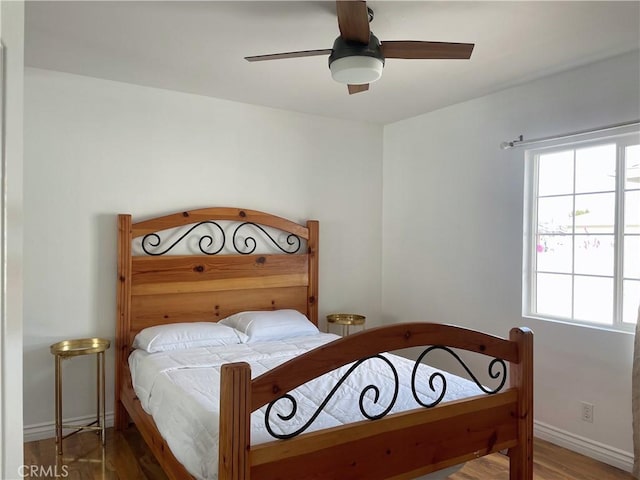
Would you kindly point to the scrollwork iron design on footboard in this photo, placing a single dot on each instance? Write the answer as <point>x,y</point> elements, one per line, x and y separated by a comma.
<point>374,388</point>
<point>500,374</point>
<point>497,370</point>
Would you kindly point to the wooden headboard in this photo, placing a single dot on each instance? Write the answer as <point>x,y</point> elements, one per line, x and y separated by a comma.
<point>226,276</point>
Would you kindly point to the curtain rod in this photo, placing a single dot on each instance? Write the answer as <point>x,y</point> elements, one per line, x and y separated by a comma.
<point>520,141</point>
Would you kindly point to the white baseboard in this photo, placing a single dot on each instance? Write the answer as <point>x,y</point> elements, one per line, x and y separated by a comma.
<point>39,431</point>
<point>585,446</point>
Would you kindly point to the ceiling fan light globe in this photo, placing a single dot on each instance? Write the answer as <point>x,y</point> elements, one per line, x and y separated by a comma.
<point>356,70</point>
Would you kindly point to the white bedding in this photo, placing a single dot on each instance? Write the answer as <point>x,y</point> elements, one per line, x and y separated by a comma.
<point>180,389</point>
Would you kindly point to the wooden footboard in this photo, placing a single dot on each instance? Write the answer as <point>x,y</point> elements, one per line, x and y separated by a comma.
<point>399,446</point>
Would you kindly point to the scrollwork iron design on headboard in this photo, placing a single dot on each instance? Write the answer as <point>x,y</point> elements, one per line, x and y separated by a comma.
<point>250,242</point>
<point>212,244</point>
<point>153,240</point>
<point>499,374</point>
<point>294,404</point>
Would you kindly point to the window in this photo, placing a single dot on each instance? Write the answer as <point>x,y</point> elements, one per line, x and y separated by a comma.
<point>582,232</point>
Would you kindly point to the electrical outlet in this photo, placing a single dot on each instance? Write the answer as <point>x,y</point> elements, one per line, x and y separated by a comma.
<point>586,412</point>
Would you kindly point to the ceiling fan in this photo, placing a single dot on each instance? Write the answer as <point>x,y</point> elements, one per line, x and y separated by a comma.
<point>357,56</point>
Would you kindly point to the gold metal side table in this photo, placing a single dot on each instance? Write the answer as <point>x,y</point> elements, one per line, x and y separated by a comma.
<point>346,320</point>
<point>74,348</point>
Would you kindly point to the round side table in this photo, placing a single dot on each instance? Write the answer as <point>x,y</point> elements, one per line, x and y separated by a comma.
<point>75,348</point>
<point>346,320</point>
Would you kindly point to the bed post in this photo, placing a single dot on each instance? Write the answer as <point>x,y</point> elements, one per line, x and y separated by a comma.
<point>521,456</point>
<point>312,297</point>
<point>235,421</point>
<point>123,322</point>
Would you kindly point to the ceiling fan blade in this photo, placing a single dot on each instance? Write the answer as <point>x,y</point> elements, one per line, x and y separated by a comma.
<point>277,56</point>
<point>358,88</point>
<point>426,50</point>
<point>353,21</point>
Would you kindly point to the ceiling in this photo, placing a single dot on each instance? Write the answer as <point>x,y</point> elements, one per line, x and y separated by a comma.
<point>198,47</point>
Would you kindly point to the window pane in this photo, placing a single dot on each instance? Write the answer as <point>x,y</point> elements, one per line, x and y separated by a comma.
<point>593,299</point>
<point>630,301</point>
<point>594,254</point>
<point>633,166</point>
<point>554,215</point>
<point>553,295</point>
<point>555,173</point>
<point>631,257</point>
<point>595,213</point>
<point>596,169</point>
<point>586,232</point>
<point>632,212</point>
<point>554,253</point>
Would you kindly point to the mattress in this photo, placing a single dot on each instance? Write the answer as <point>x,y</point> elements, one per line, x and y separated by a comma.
<point>180,390</point>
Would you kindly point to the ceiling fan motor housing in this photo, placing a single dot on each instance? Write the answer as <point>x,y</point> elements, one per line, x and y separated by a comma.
<point>354,63</point>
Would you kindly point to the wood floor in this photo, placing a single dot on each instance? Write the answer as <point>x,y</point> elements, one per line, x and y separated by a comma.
<point>126,457</point>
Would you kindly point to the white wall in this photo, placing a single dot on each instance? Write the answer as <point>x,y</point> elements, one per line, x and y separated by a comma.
<point>95,148</point>
<point>452,239</point>
<point>12,35</point>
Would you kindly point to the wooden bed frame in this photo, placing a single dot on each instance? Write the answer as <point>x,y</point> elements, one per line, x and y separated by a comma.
<point>159,289</point>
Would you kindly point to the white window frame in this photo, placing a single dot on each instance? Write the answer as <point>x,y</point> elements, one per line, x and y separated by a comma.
<point>622,136</point>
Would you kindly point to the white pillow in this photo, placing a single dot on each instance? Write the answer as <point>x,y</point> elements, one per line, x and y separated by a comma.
<point>262,326</point>
<point>175,336</point>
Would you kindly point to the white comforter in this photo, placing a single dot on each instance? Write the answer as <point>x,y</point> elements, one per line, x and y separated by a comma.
<point>180,389</point>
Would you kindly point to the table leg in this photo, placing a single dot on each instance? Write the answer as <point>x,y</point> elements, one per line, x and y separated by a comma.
<point>102,388</point>
<point>58,401</point>
<point>98,391</point>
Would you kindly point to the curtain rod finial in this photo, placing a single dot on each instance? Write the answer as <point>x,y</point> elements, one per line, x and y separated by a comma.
<point>511,144</point>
